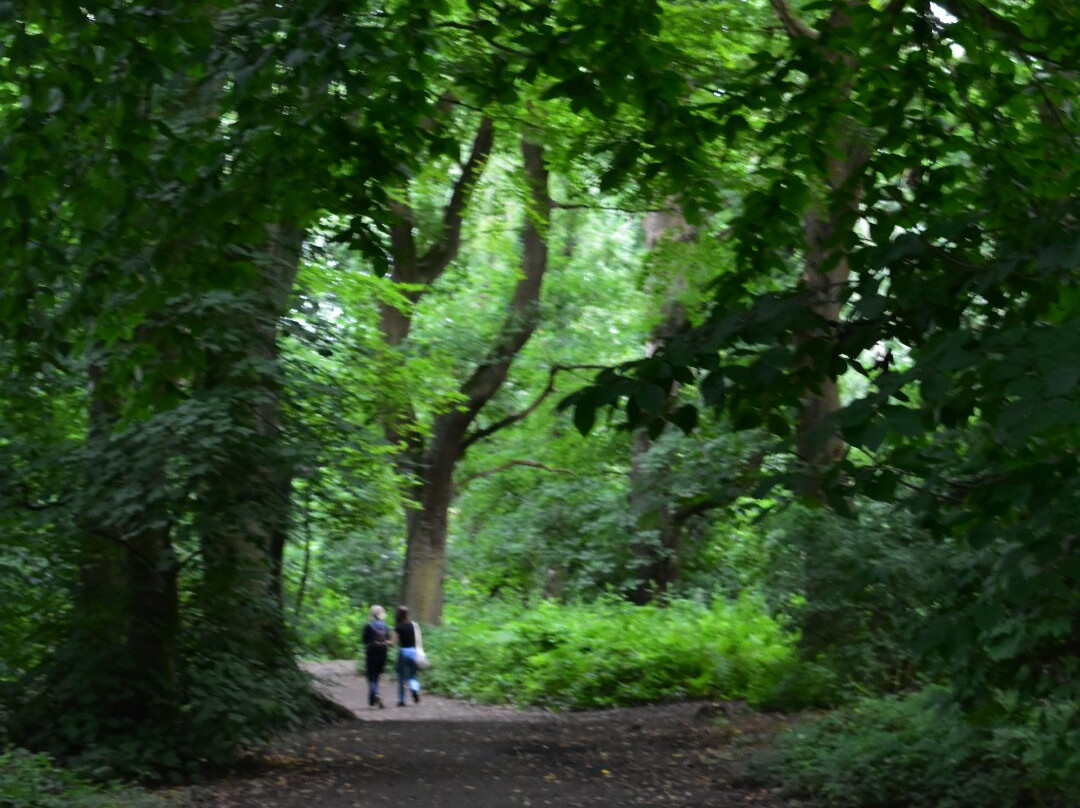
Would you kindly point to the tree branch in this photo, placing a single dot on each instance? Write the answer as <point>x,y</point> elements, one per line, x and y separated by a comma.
<point>796,28</point>
<point>124,544</point>
<point>738,485</point>
<point>589,206</point>
<point>445,248</point>
<point>532,464</point>
<point>684,512</point>
<point>524,311</point>
<point>422,271</point>
<point>26,503</point>
<point>1018,41</point>
<point>472,29</point>
<point>480,434</point>
<point>403,242</point>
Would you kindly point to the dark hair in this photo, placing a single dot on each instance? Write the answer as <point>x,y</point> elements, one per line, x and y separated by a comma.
<point>402,615</point>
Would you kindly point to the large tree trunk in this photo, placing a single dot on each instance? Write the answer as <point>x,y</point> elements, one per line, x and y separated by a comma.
<point>425,559</point>
<point>141,578</point>
<point>825,274</point>
<point>659,532</point>
<point>154,627</point>
<point>283,263</point>
<point>824,278</point>
<point>422,586</point>
<point>826,271</point>
<point>124,634</point>
<point>418,271</point>
<point>247,500</point>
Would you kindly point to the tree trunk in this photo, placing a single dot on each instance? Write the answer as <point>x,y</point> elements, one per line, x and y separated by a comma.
<point>425,559</point>
<point>247,502</point>
<point>658,531</point>
<point>825,274</point>
<point>825,271</point>
<point>824,277</point>
<point>425,566</point>
<point>125,637</point>
<point>658,554</point>
<point>154,624</point>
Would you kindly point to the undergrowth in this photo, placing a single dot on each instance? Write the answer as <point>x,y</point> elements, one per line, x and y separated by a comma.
<point>611,653</point>
<point>923,751</point>
<point>33,781</point>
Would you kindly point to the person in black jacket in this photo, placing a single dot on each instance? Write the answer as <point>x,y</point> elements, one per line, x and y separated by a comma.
<point>376,639</point>
<point>408,639</point>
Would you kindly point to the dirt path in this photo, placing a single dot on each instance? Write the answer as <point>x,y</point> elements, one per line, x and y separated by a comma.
<point>340,682</point>
<point>448,754</point>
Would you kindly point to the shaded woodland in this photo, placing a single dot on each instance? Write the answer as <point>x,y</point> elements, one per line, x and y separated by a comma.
<point>737,339</point>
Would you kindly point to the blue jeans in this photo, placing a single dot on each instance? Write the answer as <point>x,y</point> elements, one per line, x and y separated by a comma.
<point>406,670</point>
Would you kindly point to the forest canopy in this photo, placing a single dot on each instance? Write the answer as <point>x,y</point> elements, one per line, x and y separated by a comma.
<point>762,305</point>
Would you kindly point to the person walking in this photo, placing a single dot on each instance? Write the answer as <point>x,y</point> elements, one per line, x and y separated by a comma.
<point>408,638</point>
<point>377,642</point>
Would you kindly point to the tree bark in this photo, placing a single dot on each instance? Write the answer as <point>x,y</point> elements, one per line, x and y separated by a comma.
<point>246,504</point>
<point>825,272</point>
<point>656,547</point>
<point>425,558</point>
<point>127,603</point>
<point>427,527</point>
<point>824,276</point>
<point>658,556</point>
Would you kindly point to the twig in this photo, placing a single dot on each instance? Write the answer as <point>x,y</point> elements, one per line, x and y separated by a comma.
<point>439,256</point>
<point>795,27</point>
<point>588,206</point>
<point>480,434</point>
<point>1018,41</point>
<point>532,464</point>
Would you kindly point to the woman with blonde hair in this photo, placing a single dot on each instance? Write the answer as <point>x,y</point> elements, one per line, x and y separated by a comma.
<point>377,641</point>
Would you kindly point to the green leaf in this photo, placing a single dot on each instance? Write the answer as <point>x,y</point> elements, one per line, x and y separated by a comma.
<point>881,485</point>
<point>685,417</point>
<point>650,398</point>
<point>584,418</point>
<point>712,389</point>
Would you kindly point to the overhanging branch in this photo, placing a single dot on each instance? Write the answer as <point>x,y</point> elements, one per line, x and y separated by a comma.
<point>796,28</point>
<point>509,420</point>
<point>532,464</point>
<point>1014,37</point>
<point>523,313</point>
<point>442,252</point>
<point>698,508</point>
<point>591,206</point>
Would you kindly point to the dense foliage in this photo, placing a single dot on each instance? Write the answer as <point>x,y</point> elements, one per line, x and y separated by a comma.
<point>35,781</point>
<point>871,753</point>
<point>612,653</point>
<point>306,306</point>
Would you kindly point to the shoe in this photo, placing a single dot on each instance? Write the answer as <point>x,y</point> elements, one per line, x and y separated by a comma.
<point>402,704</point>
<point>379,702</point>
<point>415,696</point>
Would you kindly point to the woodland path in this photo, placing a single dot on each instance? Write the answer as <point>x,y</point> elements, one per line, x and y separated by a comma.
<point>443,753</point>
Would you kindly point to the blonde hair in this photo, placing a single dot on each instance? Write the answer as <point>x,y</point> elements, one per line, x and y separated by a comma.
<point>378,613</point>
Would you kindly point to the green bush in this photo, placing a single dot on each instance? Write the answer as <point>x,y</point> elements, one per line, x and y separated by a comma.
<point>98,719</point>
<point>855,589</point>
<point>1043,739</point>
<point>922,751</point>
<point>33,781</point>
<point>612,653</point>
<point>330,626</point>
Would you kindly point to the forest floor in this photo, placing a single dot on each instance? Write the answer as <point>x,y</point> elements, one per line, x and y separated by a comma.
<point>443,753</point>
